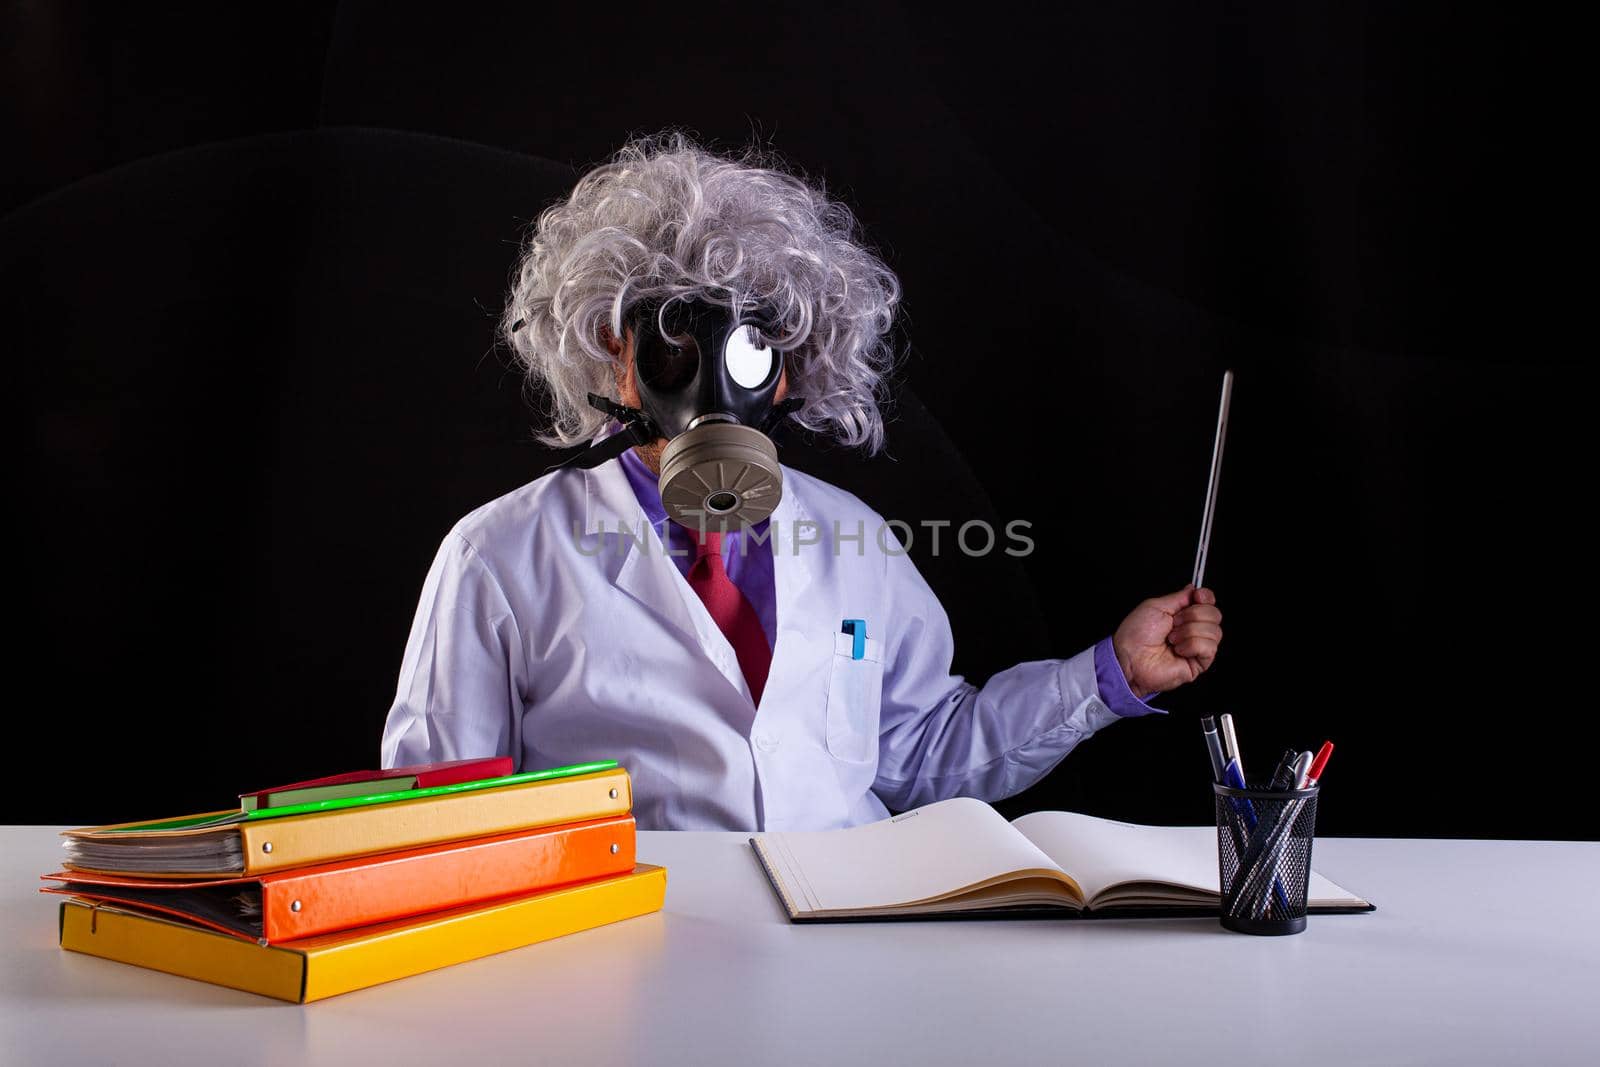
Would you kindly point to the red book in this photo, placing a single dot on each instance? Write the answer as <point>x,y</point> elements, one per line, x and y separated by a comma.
<point>367,783</point>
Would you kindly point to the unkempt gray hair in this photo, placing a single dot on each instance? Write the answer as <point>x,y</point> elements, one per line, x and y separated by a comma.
<point>664,219</point>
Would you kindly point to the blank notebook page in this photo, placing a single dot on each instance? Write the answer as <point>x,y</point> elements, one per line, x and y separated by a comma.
<point>932,850</point>
<point>1102,852</point>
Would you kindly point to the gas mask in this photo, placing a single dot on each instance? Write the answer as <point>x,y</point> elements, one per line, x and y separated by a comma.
<point>706,381</point>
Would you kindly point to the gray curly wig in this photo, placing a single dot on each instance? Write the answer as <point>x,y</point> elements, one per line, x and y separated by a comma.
<point>665,219</point>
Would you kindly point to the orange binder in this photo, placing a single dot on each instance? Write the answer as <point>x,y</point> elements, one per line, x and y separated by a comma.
<point>334,896</point>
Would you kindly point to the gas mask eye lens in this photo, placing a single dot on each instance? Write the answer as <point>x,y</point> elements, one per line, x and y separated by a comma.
<point>668,365</point>
<point>749,361</point>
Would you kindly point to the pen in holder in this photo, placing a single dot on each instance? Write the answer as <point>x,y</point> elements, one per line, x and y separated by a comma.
<point>1264,839</point>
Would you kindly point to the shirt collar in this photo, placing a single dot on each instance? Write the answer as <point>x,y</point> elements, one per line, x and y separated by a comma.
<point>646,486</point>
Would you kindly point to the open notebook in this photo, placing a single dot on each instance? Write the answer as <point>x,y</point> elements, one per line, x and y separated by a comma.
<point>961,856</point>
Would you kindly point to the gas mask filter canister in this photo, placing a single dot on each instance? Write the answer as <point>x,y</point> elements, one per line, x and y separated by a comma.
<point>720,476</point>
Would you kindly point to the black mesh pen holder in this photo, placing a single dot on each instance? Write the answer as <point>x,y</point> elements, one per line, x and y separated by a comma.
<point>1264,841</point>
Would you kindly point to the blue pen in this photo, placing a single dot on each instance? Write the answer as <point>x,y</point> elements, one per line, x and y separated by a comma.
<point>1235,777</point>
<point>1247,811</point>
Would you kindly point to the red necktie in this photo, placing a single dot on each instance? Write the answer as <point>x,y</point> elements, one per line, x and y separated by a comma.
<point>729,609</point>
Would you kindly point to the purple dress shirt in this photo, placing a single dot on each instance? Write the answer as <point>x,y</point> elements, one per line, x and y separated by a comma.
<point>751,571</point>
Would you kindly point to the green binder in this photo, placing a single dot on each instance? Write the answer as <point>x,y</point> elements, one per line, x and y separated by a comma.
<point>205,821</point>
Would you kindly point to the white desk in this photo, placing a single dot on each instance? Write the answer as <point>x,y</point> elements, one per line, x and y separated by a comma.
<point>1504,970</point>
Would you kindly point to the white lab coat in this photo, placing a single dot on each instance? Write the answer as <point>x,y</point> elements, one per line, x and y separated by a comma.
<point>545,634</point>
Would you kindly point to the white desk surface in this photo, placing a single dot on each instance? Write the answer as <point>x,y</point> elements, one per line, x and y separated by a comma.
<point>1480,952</point>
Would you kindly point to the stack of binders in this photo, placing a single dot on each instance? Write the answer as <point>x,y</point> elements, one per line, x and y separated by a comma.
<point>318,888</point>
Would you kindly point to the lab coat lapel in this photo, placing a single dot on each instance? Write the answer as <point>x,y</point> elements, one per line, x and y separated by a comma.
<point>634,556</point>
<point>791,575</point>
<point>644,571</point>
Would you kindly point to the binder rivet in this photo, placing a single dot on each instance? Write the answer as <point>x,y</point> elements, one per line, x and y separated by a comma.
<point>294,905</point>
<point>613,794</point>
<point>615,849</point>
<point>266,846</point>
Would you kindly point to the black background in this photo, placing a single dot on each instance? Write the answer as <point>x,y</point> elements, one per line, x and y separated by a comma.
<point>253,260</point>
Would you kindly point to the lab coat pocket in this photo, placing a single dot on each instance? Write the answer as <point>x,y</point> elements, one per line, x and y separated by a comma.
<point>855,690</point>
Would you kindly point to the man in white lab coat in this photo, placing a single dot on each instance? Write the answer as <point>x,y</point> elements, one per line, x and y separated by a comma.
<point>752,644</point>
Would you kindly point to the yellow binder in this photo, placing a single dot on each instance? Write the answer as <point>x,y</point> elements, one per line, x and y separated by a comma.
<point>301,840</point>
<point>324,966</point>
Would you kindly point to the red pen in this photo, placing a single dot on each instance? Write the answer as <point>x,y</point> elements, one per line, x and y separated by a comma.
<point>1320,762</point>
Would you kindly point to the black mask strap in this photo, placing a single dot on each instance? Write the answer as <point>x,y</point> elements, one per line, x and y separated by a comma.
<point>637,429</point>
<point>777,420</point>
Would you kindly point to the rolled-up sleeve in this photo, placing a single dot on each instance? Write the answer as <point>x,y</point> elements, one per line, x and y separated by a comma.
<point>941,736</point>
<point>458,695</point>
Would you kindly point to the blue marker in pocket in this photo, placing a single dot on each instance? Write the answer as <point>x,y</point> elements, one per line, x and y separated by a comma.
<point>856,628</point>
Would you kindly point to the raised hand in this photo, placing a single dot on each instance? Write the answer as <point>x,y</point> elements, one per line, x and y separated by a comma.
<point>1168,641</point>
